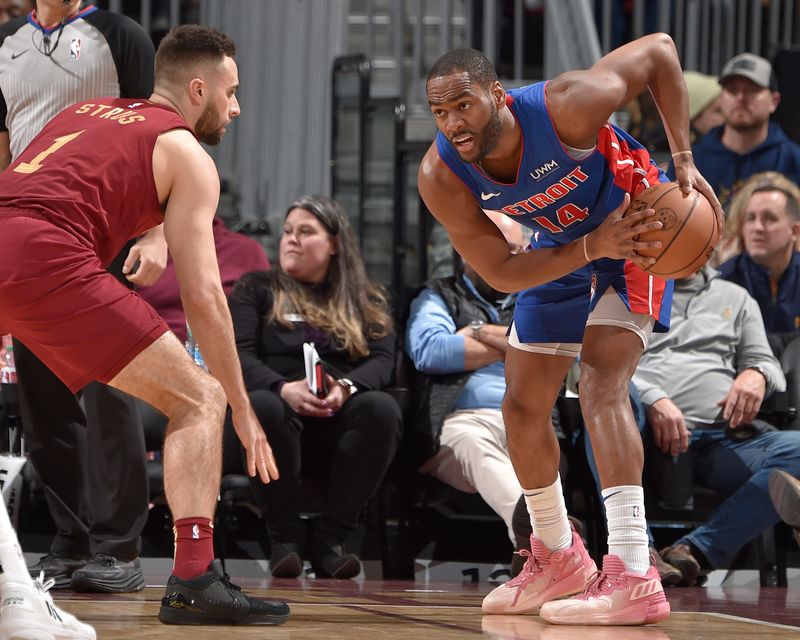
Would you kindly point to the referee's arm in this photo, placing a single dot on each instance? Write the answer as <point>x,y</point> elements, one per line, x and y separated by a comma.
<point>138,61</point>
<point>132,50</point>
<point>5,141</point>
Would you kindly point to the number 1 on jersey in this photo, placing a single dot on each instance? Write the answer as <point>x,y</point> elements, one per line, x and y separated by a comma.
<point>36,164</point>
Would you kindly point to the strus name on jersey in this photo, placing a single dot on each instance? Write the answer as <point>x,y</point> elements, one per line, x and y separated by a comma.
<point>540,172</point>
<point>568,214</point>
<point>122,116</point>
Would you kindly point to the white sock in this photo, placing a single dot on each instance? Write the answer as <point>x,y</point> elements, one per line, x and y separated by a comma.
<point>549,515</point>
<point>627,527</point>
<point>12,564</point>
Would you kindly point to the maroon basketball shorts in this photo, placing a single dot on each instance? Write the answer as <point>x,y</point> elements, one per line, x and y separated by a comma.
<point>58,300</point>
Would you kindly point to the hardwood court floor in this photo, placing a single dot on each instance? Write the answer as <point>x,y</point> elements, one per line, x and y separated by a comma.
<point>373,610</point>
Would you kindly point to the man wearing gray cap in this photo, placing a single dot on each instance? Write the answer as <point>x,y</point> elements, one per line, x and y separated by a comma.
<point>748,142</point>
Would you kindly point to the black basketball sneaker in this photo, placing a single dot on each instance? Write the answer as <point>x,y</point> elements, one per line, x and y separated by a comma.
<point>211,599</point>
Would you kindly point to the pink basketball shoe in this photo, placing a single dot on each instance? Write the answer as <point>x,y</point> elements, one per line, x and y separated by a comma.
<point>547,575</point>
<point>613,597</point>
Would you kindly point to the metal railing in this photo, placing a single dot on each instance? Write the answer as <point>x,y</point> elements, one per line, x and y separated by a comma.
<point>575,33</point>
<point>710,32</point>
<point>150,8</point>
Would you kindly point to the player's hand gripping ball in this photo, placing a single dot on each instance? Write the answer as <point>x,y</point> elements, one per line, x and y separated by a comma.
<point>688,233</point>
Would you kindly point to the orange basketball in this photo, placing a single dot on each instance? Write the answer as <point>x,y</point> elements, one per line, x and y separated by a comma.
<point>688,234</point>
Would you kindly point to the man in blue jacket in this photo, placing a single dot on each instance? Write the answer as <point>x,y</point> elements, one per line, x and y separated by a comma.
<point>748,142</point>
<point>768,225</point>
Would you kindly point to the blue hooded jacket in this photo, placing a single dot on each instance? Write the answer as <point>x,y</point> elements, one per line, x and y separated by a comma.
<point>727,170</point>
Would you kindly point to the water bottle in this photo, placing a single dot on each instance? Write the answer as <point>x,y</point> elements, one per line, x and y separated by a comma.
<point>194,349</point>
<point>8,370</point>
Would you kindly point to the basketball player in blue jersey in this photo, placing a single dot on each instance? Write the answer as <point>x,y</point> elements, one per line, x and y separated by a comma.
<point>546,155</point>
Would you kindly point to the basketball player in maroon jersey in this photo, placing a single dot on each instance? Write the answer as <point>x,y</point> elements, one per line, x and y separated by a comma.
<point>101,172</point>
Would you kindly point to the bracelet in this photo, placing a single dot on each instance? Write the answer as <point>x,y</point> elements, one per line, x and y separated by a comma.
<point>586,253</point>
<point>681,153</point>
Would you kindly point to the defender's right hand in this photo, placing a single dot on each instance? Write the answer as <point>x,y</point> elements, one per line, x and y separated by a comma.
<point>259,454</point>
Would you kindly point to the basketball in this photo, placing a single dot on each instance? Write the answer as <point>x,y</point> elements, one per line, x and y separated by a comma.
<point>688,234</point>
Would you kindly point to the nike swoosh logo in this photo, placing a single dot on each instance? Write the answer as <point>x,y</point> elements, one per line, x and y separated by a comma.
<point>14,56</point>
<point>486,196</point>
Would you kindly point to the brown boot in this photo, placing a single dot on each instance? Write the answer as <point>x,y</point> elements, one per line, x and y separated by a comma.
<point>670,576</point>
<point>680,556</point>
<point>784,490</point>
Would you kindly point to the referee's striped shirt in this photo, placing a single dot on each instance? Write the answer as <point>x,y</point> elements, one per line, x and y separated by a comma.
<point>91,54</point>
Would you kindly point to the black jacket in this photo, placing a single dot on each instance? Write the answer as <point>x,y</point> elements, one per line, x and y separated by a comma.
<point>271,353</point>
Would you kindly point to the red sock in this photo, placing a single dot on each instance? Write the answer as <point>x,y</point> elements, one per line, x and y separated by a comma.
<point>194,547</point>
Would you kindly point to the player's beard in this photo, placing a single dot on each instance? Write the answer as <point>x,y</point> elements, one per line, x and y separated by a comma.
<point>209,127</point>
<point>490,135</point>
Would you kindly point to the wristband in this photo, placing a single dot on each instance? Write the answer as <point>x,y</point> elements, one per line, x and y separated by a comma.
<point>586,253</point>
<point>681,153</point>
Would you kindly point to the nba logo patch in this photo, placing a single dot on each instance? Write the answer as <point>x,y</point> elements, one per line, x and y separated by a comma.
<point>75,49</point>
<point>593,288</point>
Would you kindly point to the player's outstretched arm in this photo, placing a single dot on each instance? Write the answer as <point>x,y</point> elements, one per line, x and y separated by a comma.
<point>581,102</point>
<point>186,175</point>
<point>478,240</point>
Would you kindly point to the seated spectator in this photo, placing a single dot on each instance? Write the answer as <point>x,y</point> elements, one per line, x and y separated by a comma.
<point>456,334</point>
<point>748,142</point>
<point>765,222</point>
<point>705,113</point>
<point>702,385</point>
<point>648,128</point>
<point>319,293</point>
<point>705,104</point>
<point>236,254</point>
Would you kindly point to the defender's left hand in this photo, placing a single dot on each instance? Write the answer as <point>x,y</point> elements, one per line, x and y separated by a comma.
<point>150,251</point>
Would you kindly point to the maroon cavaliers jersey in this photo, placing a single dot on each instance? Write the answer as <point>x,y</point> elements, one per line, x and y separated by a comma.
<point>90,171</point>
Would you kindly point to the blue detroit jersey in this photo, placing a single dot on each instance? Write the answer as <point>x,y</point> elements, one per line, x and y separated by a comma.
<point>562,199</point>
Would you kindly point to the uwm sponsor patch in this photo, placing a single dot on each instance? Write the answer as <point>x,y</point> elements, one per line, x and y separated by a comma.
<point>541,172</point>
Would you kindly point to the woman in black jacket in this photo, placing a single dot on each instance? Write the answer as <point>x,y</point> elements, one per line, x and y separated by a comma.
<point>319,293</point>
